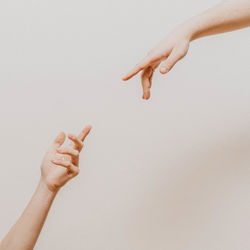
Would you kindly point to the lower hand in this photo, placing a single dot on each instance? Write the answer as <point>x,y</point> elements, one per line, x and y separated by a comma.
<point>60,164</point>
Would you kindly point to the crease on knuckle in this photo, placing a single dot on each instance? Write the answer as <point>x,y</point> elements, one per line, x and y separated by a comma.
<point>67,164</point>
<point>181,52</point>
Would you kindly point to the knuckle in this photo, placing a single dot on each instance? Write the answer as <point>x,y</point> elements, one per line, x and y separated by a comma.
<point>181,53</point>
<point>68,150</point>
<point>164,54</point>
<point>76,171</point>
<point>67,164</point>
<point>76,153</point>
<point>58,161</point>
<point>150,59</point>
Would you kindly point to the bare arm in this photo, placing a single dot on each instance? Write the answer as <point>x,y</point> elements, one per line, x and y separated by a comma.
<point>227,16</point>
<point>60,164</point>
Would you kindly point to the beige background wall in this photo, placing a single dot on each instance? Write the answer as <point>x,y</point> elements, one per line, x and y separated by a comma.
<point>170,173</point>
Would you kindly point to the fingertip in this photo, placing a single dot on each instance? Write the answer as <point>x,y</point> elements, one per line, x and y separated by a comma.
<point>132,73</point>
<point>60,138</point>
<point>71,136</point>
<point>147,97</point>
<point>88,127</point>
<point>61,134</point>
<point>164,70</point>
<point>128,77</point>
<point>146,94</point>
<point>85,131</point>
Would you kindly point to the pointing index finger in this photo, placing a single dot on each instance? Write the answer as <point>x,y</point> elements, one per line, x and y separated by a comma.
<point>140,66</point>
<point>84,133</point>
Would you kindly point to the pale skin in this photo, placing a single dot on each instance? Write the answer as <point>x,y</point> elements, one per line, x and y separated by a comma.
<point>60,164</point>
<point>226,16</point>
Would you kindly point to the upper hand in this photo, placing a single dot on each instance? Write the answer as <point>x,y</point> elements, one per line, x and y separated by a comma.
<point>60,164</point>
<point>166,54</point>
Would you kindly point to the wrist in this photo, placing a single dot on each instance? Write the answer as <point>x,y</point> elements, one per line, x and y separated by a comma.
<point>183,32</point>
<point>188,30</point>
<point>46,190</point>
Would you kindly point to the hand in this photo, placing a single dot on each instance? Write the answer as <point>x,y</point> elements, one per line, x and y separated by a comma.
<point>60,164</point>
<point>172,49</point>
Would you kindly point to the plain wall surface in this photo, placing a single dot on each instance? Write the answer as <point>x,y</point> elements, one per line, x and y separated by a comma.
<point>170,173</point>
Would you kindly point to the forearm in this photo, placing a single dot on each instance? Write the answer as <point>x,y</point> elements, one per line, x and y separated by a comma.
<point>227,16</point>
<point>59,165</point>
<point>24,234</point>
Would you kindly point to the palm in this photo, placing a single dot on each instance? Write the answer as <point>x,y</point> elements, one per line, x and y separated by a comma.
<point>54,175</point>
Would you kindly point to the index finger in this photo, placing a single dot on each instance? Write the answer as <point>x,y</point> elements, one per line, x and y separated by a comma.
<point>84,133</point>
<point>140,66</point>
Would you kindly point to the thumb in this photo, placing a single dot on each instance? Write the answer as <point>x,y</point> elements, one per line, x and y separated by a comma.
<point>59,140</point>
<point>169,63</point>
